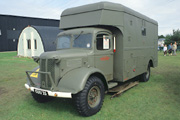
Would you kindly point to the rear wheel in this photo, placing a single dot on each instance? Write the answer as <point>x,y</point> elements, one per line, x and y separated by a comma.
<point>41,98</point>
<point>89,101</point>
<point>145,76</point>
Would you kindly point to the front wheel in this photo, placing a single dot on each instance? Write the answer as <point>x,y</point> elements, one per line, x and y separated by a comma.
<point>89,101</point>
<point>145,76</point>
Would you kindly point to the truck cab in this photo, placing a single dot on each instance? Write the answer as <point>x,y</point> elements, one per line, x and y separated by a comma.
<point>95,43</point>
<point>82,54</point>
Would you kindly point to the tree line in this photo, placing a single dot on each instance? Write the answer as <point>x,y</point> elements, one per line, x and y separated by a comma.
<point>171,38</point>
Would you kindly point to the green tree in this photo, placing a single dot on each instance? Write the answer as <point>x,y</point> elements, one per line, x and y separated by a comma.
<point>174,37</point>
<point>168,39</point>
<point>161,36</point>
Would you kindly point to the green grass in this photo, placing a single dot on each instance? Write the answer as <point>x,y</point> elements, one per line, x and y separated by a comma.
<point>158,99</point>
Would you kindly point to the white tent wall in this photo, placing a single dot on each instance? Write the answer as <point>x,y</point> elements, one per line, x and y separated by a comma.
<point>30,43</point>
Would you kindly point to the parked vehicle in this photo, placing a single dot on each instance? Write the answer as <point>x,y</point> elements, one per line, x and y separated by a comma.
<point>102,45</point>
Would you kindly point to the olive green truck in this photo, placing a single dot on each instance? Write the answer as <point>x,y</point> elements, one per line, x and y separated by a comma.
<point>102,44</point>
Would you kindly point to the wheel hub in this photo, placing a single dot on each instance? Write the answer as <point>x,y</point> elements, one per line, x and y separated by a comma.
<point>94,96</point>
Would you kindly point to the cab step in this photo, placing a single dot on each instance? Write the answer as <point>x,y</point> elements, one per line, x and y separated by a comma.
<point>112,84</point>
<point>122,88</point>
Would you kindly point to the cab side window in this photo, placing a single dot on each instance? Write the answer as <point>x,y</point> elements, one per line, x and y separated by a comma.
<point>103,42</point>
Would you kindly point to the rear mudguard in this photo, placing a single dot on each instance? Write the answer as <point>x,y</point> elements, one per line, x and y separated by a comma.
<point>74,81</point>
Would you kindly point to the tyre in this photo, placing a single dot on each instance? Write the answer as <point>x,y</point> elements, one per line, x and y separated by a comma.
<point>41,98</point>
<point>89,101</point>
<point>145,76</point>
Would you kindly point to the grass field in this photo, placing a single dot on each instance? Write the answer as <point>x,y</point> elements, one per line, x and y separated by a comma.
<point>158,99</point>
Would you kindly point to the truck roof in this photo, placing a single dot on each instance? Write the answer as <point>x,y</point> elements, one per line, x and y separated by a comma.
<point>105,6</point>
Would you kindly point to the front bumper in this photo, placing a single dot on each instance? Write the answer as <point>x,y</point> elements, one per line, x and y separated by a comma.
<point>51,93</point>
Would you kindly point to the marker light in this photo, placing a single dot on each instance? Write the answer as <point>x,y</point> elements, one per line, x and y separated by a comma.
<point>114,45</point>
<point>55,95</point>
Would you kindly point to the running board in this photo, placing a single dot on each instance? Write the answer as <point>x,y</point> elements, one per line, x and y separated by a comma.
<point>122,88</point>
<point>112,84</point>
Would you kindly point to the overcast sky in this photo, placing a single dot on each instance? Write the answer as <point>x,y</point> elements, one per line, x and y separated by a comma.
<point>166,12</point>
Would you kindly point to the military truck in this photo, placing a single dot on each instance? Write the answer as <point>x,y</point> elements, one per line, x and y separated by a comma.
<point>102,44</point>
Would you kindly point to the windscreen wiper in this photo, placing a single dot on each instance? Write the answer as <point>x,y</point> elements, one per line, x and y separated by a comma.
<point>78,35</point>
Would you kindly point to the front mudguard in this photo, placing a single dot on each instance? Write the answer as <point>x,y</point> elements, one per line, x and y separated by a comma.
<point>74,81</point>
<point>35,77</point>
<point>33,84</point>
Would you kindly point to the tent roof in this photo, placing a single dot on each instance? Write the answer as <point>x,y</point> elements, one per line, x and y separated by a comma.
<point>48,35</point>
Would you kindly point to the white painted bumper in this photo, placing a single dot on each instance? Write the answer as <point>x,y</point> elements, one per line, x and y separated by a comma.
<point>50,93</point>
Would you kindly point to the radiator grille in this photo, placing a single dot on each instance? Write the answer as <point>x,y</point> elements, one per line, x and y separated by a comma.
<point>47,65</point>
<point>42,68</point>
<point>42,65</point>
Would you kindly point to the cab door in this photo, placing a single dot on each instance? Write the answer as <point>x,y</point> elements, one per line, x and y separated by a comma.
<point>104,54</point>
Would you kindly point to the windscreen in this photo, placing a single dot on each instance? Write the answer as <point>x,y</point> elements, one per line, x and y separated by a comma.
<point>82,41</point>
<point>78,41</point>
<point>64,42</point>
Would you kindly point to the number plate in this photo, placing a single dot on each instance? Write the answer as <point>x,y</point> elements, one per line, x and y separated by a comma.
<point>40,92</point>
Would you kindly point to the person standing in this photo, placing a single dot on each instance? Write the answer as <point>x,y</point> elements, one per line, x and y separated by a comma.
<point>165,50</point>
<point>170,49</point>
<point>174,48</point>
